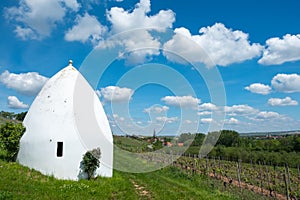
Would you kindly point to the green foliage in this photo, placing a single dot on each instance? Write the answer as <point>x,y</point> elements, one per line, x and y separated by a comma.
<point>198,140</point>
<point>13,116</point>
<point>91,161</point>
<point>185,137</point>
<point>157,145</point>
<point>228,138</point>
<point>10,135</point>
<point>7,115</point>
<point>20,116</point>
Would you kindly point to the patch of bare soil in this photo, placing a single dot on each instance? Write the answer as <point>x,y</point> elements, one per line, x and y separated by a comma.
<point>141,191</point>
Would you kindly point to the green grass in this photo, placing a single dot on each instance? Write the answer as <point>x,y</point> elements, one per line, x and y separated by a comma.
<point>18,182</point>
<point>130,144</point>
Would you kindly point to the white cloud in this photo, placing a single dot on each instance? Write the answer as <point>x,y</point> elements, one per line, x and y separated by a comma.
<point>240,110</point>
<point>206,120</point>
<point>259,88</point>
<point>156,109</point>
<point>86,28</point>
<point>118,118</point>
<point>116,94</point>
<point>15,103</point>
<point>283,50</point>
<point>123,20</point>
<point>222,45</point>
<point>25,83</point>
<point>36,19</point>
<point>208,106</point>
<point>136,46</point>
<point>287,101</point>
<point>267,115</point>
<point>232,121</point>
<point>182,101</point>
<point>73,4</point>
<point>287,83</point>
<point>203,113</point>
<point>25,33</point>
<point>139,44</point>
<point>188,121</point>
<point>166,119</point>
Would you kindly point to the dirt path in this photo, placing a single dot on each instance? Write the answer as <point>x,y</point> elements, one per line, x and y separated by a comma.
<point>141,191</point>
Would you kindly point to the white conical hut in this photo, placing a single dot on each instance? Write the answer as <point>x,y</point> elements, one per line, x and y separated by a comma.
<point>60,128</point>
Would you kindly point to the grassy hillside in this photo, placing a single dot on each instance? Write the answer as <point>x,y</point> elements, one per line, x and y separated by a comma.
<point>130,144</point>
<point>19,182</point>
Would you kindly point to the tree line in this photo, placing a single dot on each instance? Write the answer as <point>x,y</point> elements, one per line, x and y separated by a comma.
<point>232,146</point>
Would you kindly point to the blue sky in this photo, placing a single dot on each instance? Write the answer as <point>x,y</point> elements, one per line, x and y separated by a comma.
<point>172,60</point>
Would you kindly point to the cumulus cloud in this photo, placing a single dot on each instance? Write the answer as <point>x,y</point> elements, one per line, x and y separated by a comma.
<point>166,119</point>
<point>240,110</point>
<point>283,50</point>
<point>25,83</point>
<point>214,45</point>
<point>156,109</point>
<point>182,101</point>
<point>267,115</point>
<point>123,20</point>
<point>287,83</point>
<point>86,28</point>
<point>208,106</point>
<point>287,101</point>
<point>259,88</point>
<point>206,120</point>
<point>118,118</point>
<point>116,94</point>
<point>36,19</point>
<point>139,44</point>
<point>203,113</point>
<point>15,103</point>
<point>232,121</point>
<point>73,4</point>
<point>136,47</point>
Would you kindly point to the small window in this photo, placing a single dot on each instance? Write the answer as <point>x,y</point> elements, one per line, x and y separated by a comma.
<point>59,151</point>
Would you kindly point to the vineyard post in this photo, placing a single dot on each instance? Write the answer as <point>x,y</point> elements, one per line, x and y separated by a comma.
<point>238,174</point>
<point>260,176</point>
<point>274,182</point>
<point>172,157</point>
<point>286,186</point>
<point>269,184</point>
<point>207,170</point>
<point>240,163</point>
<point>288,176</point>
<point>298,172</point>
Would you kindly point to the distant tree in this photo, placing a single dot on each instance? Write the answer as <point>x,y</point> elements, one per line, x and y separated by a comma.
<point>91,161</point>
<point>228,138</point>
<point>198,140</point>
<point>297,144</point>
<point>20,116</point>
<point>7,115</point>
<point>10,135</point>
<point>184,137</point>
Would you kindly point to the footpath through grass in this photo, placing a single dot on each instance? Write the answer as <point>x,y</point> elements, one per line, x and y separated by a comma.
<point>19,182</point>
